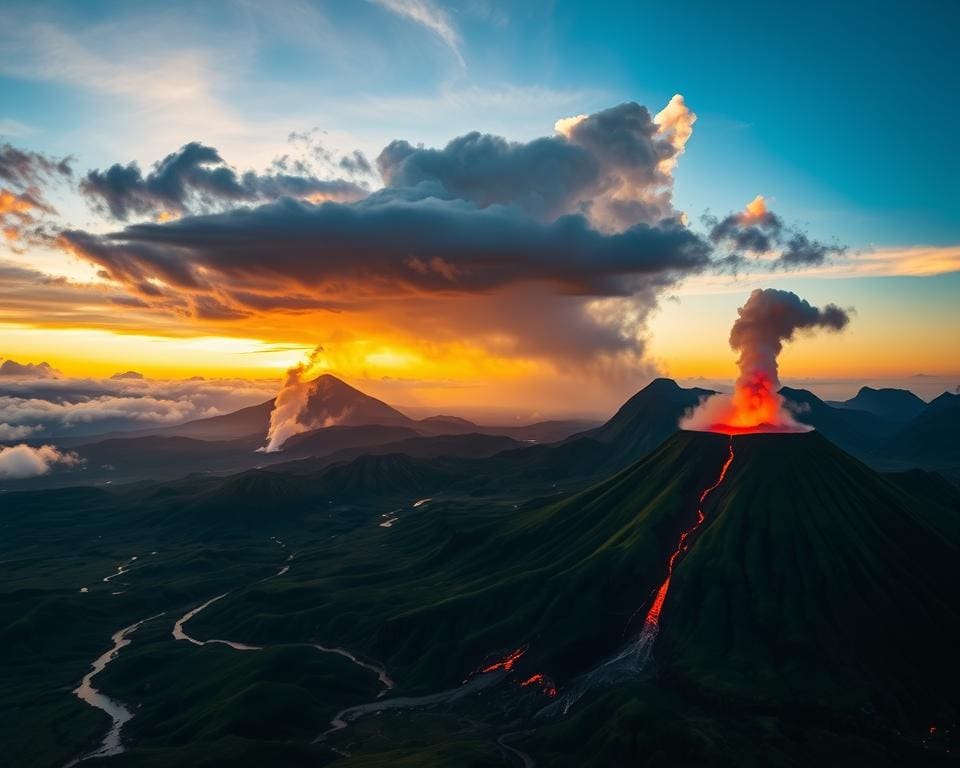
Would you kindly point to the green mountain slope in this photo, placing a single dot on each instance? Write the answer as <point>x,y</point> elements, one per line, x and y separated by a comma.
<point>817,584</point>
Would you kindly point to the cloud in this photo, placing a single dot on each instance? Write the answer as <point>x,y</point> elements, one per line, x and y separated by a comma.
<point>675,122</point>
<point>23,174</point>
<point>196,178</point>
<point>588,213</point>
<point>426,14</point>
<point>12,432</point>
<point>22,461</point>
<point>28,370</point>
<point>75,406</point>
<point>385,245</point>
<point>542,251</point>
<point>554,248</point>
<point>23,168</point>
<point>760,232</point>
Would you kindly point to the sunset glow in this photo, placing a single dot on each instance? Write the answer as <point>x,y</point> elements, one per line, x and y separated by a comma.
<point>231,246</point>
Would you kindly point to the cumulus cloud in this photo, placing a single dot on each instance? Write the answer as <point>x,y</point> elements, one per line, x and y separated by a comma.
<point>21,461</point>
<point>196,178</point>
<point>675,122</point>
<point>613,167</point>
<point>758,231</point>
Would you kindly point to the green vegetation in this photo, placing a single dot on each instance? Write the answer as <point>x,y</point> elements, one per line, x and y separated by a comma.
<point>813,620</point>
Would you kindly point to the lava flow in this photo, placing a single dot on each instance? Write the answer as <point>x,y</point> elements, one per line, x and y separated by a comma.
<point>652,621</point>
<point>543,682</point>
<point>506,663</point>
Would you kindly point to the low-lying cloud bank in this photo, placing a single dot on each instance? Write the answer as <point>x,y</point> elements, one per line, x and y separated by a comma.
<point>40,406</point>
<point>22,461</point>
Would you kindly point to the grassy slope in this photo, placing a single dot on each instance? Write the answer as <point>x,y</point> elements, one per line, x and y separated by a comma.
<point>453,583</point>
<point>816,584</point>
<point>813,585</point>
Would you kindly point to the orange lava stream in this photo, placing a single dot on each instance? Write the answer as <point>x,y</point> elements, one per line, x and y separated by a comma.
<point>506,663</point>
<point>544,682</point>
<point>653,615</point>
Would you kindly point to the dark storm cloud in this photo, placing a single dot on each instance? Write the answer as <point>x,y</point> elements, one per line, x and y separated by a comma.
<point>384,245</point>
<point>197,178</point>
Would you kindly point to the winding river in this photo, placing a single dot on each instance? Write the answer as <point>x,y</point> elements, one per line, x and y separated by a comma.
<point>118,711</point>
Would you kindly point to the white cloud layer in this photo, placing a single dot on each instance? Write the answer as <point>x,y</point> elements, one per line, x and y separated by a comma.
<point>71,406</point>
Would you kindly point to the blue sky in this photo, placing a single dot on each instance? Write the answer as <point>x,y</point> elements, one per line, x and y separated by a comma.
<point>842,115</point>
<point>844,118</point>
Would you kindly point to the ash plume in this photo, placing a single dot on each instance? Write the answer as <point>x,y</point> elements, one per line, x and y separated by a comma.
<point>768,319</point>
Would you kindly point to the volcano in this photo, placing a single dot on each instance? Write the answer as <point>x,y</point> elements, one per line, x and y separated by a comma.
<point>816,583</point>
<point>811,584</point>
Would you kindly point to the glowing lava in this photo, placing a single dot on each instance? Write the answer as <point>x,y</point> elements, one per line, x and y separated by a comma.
<point>507,663</point>
<point>652,621</point>
<point>755,406</point>
<point>543,682</point>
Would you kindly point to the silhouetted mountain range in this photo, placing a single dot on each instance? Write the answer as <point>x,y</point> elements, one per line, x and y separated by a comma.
<point>890,404</point>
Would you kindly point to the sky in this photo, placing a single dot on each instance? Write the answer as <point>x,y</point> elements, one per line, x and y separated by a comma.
<point>532,206</point>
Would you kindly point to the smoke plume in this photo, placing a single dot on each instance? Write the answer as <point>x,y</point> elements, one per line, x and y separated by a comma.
<point>768,319</point>
<point>290,403</point>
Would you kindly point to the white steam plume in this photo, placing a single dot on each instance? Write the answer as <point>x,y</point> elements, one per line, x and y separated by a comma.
<point>290,403</point>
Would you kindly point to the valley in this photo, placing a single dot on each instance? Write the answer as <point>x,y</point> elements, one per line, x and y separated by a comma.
<point>499,612</point>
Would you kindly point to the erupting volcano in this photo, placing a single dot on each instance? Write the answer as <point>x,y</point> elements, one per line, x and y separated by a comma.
<point>769,318</point>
